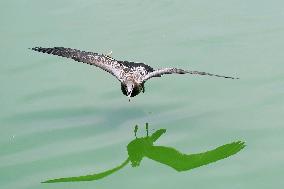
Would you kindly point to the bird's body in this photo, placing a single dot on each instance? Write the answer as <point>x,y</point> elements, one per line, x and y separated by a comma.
<point>132,75</point>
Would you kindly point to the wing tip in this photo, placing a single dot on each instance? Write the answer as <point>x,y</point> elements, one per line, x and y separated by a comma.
<point>36,48</point>
<point>231,77</point>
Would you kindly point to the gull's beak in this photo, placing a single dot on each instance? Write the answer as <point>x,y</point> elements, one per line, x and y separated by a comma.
<point>129,90</point>
<point>129,96</point>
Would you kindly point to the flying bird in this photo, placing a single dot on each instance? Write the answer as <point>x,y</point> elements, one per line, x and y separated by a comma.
<point>132,75</point>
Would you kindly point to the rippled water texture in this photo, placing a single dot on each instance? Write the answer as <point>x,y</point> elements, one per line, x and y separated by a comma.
<point>62,118</point>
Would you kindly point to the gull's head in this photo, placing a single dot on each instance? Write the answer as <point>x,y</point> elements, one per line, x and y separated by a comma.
<point>130,88</point>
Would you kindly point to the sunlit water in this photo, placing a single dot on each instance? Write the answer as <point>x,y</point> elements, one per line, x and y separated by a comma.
<point>60,118</point>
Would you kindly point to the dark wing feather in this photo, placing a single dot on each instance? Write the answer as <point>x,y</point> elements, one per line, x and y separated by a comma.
<point>104,62</point>
<point>160,72</point>
<point>137,64</point>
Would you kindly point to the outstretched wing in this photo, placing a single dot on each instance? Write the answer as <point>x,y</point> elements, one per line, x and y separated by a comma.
<point>160,72</point>
<point>104,62</point>
<point>183,162</point>
<point>90,177</point>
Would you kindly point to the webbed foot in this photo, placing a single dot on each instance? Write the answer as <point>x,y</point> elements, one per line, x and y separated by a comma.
<point>135,130</point>
<point>147,129</point>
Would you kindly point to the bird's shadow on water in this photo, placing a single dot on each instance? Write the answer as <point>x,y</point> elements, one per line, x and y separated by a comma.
<point>144,147</point>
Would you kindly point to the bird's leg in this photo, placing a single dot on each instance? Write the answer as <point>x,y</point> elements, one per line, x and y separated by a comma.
<point>147,129</point>
<point>135,130</point>
<point>109,53</point>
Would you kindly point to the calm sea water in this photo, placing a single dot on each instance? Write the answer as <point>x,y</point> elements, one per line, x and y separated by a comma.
<point>61,118</point>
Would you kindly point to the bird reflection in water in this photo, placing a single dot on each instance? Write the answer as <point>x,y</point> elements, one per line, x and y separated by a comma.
<point>144,147</point>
